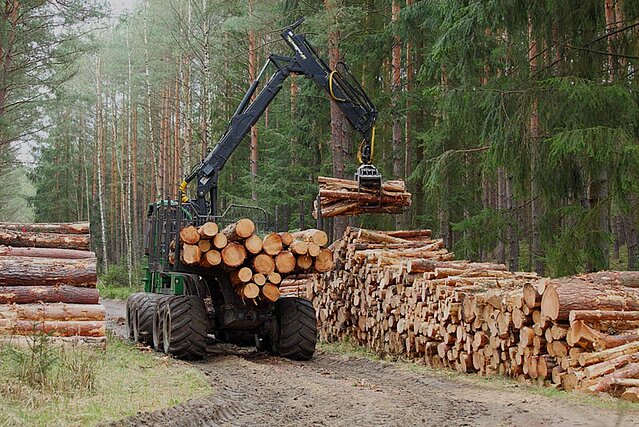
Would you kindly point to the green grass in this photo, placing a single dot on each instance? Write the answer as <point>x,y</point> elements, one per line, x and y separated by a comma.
<point>117,292</point>
<point>346,347</point>
<point>45,385</point>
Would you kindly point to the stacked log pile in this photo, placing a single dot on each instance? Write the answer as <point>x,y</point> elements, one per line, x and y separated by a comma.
<point>260,268</point>
<point>343,197</point>
<point>401,293</point>
<point>48,282</point>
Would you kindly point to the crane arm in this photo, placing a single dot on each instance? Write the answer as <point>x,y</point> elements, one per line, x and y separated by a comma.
<point>340,85</point>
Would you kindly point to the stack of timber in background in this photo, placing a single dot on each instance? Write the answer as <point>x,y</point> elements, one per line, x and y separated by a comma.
<point>401,293</point>
<point>343,197</point>
<point>48,279</point>
<point>260,268</point>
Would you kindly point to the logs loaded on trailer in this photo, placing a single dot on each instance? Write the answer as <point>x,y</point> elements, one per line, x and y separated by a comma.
<point>343,197</point>
<point>48,284</point>
<point>402,293</point>
<point>261,268</point>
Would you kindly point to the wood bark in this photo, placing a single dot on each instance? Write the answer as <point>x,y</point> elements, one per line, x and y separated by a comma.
<point>22,271</point>
<point>48,312</point>
<point>91,328</point>
<point>44,240</point>
<point>562,296</point>
<point>48,294</point>
<point>46,253</point>
<point>58,228</point>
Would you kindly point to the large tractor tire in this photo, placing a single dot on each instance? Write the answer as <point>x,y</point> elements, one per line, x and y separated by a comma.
<point>158,322</point>
<point>297,329</point>
<point>143,320</point>
<point>184,327</point>
<point>131,310</point>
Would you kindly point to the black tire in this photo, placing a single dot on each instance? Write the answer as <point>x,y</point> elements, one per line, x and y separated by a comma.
<point>297,327</point>
<point>143,320</point>
<point>131,310</point>
<point>158,321</point>
<point>184,327</point>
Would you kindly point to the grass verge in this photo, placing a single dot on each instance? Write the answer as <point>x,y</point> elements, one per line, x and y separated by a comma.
<point>45,385</point>
<point>117,292</point>
<point>347,347</point>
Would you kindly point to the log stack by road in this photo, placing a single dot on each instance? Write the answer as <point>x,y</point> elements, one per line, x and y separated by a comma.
<point>260,268</point>
<point>402,293</point>
<point>48,279</point>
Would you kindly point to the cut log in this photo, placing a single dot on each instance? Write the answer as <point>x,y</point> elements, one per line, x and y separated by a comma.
<point>304,262</point>
<point>22,271</point>
<point>92,328</point>
<point>46,294</point>
<point>233,255</point>
<point>598,315</point>
<point>562,296</point>
<point>190,254</point>
<point>630,394</point>
<point>270,292</point>
<point>409,234</point>
<point>312,235</point>
<point>624,278</point>
<point>287,238</point>
<point>299,247</point>
<point>208,230</point>
<point>213,257</point>
<point>607,381</point>
<point>189,235</point>
<point>272,244</point>
<point>220,241</point>
<point>204,245</point>
<point>48,312</point>
<point>55,227</point>
<point>259,279</point>
<point>243,275</point>
<point>285,262</point>
<point>275,278</point>
<point>607,366</point>
<point>313,249</point>
<point>45,240</point>
<point>586,359</point>
<point>46,253</point>
<point>264,264</point>
<point>248,290</point>
<point>253,244</point>
<point>532,298</point>
<point>324,261</point>
<point>239,230</point>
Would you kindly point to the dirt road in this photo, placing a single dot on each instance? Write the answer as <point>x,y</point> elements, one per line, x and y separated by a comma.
<point>256,389</point>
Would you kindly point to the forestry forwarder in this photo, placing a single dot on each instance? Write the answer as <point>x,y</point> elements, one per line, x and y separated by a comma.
<point>182,305</point>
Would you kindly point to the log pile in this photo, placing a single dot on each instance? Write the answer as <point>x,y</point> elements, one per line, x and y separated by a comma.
<point>402,293</point>
<point>261,269</point>
<point>48,282</point>
<point>343,197</point>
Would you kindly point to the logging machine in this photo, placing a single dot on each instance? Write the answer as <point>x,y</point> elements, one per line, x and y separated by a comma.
<point>184,305</point>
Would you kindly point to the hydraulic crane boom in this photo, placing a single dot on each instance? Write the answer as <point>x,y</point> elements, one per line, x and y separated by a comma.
<point>338,83</point>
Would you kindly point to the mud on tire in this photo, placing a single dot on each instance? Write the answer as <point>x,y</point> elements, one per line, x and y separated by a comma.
<point>158,321</point>
<point>184,327</point>
<point>143,318</point>
<point>297,329</point>
<point>131,312</point>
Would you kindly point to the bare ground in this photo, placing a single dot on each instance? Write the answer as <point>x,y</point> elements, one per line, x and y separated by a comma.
<point>256,389</point>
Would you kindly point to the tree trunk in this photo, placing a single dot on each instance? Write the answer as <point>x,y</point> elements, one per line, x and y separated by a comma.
<point>563,295</point>
<point>45,240</point>
<point>45,253</point>
<point>48,312</point>
<point>22,271</point>
<point>53,328</point>
<point>61,227</point>
<point>48,294</point>
<point>252,76</point>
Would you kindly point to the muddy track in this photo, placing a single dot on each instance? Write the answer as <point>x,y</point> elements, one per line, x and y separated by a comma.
<point>255,389</point>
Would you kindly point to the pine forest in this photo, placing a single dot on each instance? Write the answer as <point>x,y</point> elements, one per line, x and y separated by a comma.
<point>514,123</point>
